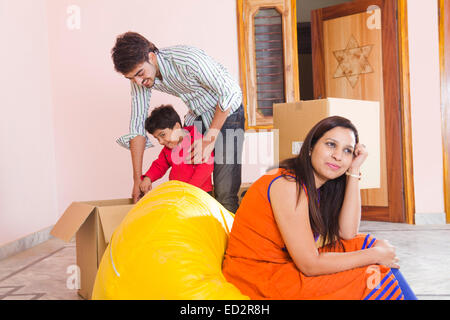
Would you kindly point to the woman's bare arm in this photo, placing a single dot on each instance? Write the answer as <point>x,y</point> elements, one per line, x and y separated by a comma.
<point>350,216</point>
<point>295,228</point>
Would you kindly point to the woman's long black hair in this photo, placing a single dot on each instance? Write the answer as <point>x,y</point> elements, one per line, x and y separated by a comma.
<point>323,212</point>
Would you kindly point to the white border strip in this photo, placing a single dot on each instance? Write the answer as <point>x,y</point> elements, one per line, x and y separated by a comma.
<point>430,218</point>
<point>27,242</point>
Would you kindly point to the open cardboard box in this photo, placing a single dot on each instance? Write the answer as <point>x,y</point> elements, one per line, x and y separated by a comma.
<point>93,222</point>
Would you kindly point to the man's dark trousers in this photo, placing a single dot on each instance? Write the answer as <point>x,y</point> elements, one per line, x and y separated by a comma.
<point>228,159</point>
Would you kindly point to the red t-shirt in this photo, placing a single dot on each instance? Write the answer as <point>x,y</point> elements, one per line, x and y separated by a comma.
<point>198,175</point>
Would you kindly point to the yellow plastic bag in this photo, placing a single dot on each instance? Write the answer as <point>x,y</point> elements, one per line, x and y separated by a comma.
<point>169,246</point>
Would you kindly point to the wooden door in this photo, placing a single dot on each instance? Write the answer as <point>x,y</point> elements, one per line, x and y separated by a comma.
<point>355,56</point>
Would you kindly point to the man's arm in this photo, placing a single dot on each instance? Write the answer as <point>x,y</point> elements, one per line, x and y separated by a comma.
<point>137,147</point>
<point>140,98</point>
<point>217,122</point>
<point>210,137</point>
<point>206,145</point>
<point>214,76</point>
<point>203,172</point>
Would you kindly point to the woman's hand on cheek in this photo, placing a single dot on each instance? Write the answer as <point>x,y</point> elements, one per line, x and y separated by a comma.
<point>360,155</point>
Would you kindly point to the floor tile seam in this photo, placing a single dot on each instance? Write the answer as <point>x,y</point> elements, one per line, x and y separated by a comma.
<point>31,264</point>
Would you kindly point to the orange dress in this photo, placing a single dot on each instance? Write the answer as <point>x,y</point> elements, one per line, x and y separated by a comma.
<point>257,262</point>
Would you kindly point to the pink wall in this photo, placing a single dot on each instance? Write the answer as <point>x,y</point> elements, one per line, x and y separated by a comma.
<point>27,162</point>
<point>425,105</point>
<point>60,135</point>
<point>92,101</point>
<point>63,105</point>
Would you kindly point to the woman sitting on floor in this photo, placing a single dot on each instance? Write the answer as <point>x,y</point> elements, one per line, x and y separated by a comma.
<point>295,235</point>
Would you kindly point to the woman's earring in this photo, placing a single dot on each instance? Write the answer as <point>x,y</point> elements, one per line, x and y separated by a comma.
<point>310,153</point>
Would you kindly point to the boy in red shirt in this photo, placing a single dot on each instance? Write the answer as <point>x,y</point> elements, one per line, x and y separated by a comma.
<point>164,124</point>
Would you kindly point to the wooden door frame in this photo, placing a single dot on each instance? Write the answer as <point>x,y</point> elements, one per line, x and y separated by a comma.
<point>392,85</point>
<point>292,93</point>
<point>444,69</point>
<point>405,103</point>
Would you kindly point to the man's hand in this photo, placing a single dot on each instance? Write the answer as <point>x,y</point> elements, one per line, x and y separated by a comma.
<point>146,185</point>
<point>136,193</point>
<point>200,151</point>
<point>137,147</point>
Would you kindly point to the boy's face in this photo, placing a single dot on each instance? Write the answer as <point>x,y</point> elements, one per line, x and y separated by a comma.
<point>169,138</point>
<point>144,73</point>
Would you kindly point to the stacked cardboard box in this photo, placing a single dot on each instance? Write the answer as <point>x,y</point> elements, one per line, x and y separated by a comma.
<point>294,120</point>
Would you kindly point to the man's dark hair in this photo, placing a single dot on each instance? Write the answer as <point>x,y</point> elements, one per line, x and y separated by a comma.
<point>162,117</point>
<point>130,50</point>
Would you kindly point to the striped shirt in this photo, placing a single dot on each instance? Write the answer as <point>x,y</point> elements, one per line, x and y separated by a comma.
<point>190,74</point>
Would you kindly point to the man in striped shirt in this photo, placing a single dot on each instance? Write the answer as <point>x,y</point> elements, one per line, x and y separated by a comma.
<point>213,97</point>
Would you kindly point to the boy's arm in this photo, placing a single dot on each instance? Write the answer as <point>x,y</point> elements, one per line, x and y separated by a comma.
<point>158,168</point>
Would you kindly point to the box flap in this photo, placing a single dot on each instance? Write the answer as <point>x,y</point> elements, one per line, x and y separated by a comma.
<point>107,203</point>
<point>111,217</point>
<point>71,220</point>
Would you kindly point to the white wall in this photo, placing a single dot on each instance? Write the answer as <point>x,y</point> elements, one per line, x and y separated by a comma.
<point>425,106</point>
<point>27,162</point>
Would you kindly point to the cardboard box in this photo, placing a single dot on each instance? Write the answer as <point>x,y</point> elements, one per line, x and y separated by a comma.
<point>93,222</point>
<point>242,190</point>
<point>294,121</point>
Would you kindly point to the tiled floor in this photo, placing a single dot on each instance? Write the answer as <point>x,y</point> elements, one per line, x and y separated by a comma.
<point>45,271</point>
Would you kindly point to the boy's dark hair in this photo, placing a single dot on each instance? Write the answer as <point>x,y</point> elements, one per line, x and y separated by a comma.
<point>161,118</point>
<point>130,50</point>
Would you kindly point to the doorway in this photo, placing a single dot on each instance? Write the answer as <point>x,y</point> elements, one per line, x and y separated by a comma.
<point>346,57</point>
<point>304,8</point>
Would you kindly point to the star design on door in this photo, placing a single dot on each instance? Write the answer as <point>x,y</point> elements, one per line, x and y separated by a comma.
<point>353,61</point>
